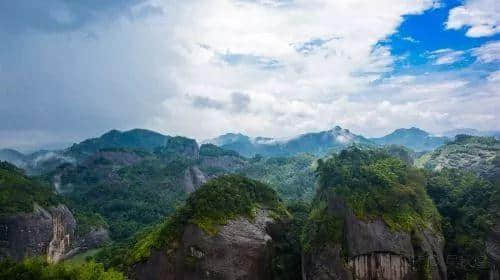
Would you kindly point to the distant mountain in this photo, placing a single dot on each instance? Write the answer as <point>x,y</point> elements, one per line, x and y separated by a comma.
<point>480,155</point>
<point>471,132</point>
<point>466,131</point>
<point>141,139</point>
<point>13,157</point>
<point>413,138</point>
<point>316,143</point>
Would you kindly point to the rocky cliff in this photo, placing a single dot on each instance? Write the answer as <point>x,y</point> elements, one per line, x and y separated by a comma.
<point>372,219</point>
<point>240,250</point>
<point>223,232</point>
<point>370,250</point>
<point>47,232</point>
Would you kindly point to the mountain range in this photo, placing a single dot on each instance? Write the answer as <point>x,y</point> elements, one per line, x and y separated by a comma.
<point>315,143</point>
<point>312,192</point>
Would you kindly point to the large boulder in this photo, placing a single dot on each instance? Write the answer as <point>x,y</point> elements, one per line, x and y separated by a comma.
<point>43,232</point>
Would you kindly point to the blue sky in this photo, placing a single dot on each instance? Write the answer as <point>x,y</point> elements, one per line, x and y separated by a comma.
<point>70,70</point>
<point>420,34</point>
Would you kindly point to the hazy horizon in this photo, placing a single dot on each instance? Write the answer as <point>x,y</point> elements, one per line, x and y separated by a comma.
<point>71,70</point>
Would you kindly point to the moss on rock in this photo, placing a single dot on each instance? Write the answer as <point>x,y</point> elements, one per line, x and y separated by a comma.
<point>213,204</point>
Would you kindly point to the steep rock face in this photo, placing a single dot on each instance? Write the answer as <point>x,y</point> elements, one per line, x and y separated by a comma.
<point>193,178</point>
<point>370,250</point>
<point>240,250</point>
<point>43,232</point>
<point>493,251</point>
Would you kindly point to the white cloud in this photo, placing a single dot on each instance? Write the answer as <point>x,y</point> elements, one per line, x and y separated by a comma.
<point>202,68</point>
<point>410,39</point>
<point>480,17</point>
<point>494,76</point>
<point>445,56</point>
<point>489,52</point>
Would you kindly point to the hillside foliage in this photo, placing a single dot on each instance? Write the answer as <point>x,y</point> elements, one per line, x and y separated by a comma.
<point>18,193</point>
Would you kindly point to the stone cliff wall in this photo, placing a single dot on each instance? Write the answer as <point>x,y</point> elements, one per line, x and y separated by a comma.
<point>370,250</point>
<point>193,179</point>
<point>240,250</point>
<point>380,266</point>
<point>42,232</point>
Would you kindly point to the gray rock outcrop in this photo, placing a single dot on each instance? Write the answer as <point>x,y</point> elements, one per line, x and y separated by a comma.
<point>43,232</point>
<point>240,250</point>
<point>193,178</point>
<point>370,250</point>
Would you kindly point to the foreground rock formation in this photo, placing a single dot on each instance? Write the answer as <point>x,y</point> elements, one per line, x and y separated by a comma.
<point>47,232</point>
<point>370,250</point>
<point>240,250</point>
<point>227,238</point>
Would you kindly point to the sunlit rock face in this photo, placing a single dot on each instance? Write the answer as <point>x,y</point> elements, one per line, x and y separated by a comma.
<point>40,233</point>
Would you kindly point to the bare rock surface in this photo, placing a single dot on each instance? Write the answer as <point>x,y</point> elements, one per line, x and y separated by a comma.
<point>42,232</point>
<point>372,251</point>
<point>240,250</point>
<point>193,179</point>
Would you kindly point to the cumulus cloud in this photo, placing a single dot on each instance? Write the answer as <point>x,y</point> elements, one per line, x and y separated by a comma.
<point>202,68</point>
<point>479,17</point>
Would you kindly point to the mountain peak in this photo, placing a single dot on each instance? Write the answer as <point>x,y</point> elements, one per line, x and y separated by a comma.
<point>413,138</point>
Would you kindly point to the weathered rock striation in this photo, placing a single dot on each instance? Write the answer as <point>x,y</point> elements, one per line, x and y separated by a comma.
<point>47,232</point>
<point>240,250</point>
<point>371,250</point>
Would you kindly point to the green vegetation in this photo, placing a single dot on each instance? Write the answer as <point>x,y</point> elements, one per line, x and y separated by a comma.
<point>18,193</point>
<point>127,198</point>
<point>469,206</point>
<point>287,248</point>
<point>138,139</point>
<point>213,151</point>
<point>213,204</point>
<point>84,257</point>
<point>37,269</point>
<point>373,184</point>
<point>88,221</point>
<point>292,177</point>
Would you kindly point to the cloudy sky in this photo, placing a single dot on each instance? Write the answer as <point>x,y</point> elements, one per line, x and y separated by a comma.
<point>70,70</point>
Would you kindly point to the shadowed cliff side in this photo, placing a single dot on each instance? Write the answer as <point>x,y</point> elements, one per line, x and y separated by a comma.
<point>372,219</point>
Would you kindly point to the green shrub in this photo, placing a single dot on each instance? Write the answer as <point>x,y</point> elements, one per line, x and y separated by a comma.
<point>38,269</point>
<point>18,193</point>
